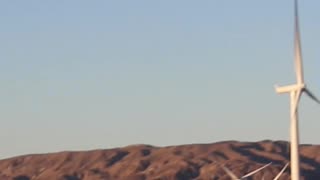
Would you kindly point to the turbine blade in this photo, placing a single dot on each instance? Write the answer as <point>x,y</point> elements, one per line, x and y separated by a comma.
<point>255,171</point>
<point>296,99</point>
<point>311,95</point>
<point>281,172</point>
<point>228,171</point>
<point>297,47</point>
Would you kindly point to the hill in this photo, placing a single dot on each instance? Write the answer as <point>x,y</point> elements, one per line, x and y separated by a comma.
<point>142,162</point>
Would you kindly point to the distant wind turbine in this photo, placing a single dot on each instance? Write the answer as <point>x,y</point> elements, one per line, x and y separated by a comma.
<point>234,177</point>
<point>281,172</point>
<point>295,91</point>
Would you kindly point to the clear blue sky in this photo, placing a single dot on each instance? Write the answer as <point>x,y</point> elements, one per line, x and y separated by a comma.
<point>78,75</point>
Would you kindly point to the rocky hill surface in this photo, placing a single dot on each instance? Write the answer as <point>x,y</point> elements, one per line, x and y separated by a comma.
<point>144,162</point>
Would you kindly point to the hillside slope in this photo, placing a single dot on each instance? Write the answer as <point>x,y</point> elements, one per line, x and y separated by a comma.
<point>141,162</point>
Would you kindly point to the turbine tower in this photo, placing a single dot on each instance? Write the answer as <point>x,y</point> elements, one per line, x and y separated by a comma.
<point>295,92</point>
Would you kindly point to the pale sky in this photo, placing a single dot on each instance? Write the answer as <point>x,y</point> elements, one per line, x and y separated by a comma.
<point>80,75</point>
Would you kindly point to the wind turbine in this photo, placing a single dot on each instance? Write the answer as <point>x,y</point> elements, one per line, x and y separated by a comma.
<point>295,92</point>
<point>234,177</point>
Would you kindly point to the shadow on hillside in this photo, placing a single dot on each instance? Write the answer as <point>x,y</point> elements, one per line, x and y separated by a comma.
<point>247,151</point>
<point>21,178</point>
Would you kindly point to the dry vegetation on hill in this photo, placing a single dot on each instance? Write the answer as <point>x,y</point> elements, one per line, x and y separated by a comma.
<point>143,162</point>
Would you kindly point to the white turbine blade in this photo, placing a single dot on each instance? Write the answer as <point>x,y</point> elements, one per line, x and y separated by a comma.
<point>281,172</point>
<point>295,100</point>
<point>255,171</point>
<point>297,47</point>
<point>233,176</point>
<point>311,95</point>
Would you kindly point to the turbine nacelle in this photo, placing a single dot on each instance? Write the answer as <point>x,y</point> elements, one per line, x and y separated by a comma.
<point>290,88</point>
<point>300,88</point>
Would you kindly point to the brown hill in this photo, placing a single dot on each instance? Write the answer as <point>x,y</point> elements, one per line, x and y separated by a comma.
<point>140,162</point>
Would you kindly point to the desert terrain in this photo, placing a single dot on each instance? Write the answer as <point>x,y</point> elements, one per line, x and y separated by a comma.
<point>144,162</point>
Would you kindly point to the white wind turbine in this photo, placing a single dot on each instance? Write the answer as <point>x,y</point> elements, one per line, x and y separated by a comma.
<point>234,177</point>
<point>295,91</point>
